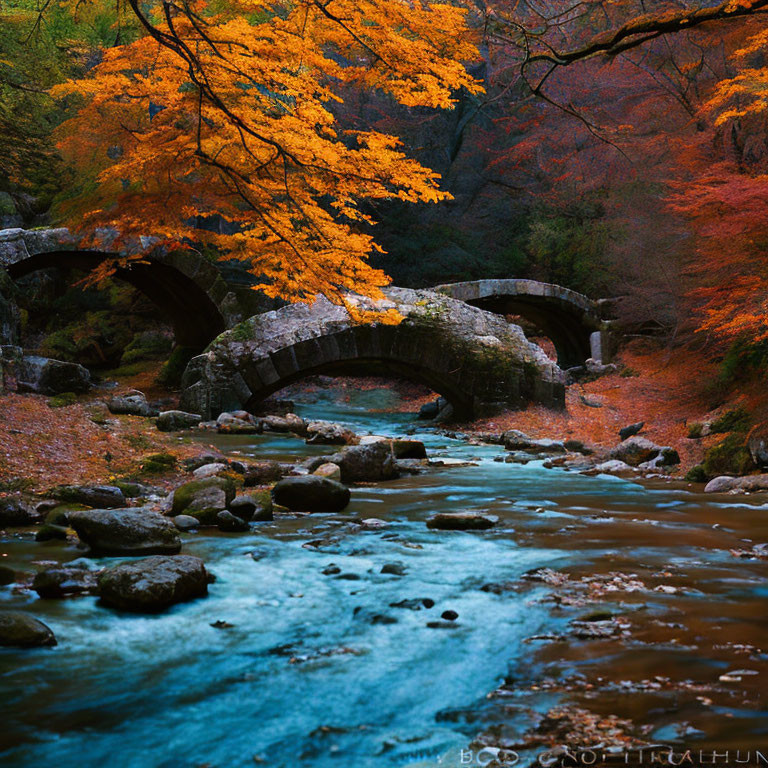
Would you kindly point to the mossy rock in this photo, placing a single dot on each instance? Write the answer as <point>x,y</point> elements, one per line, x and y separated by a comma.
<point>47,532</point>
<point>669,457</point>
<point>695,430</point>
<point>729,457</point>
<point>130,489</point>
<point>62,400</point>
<point>60,515</point>
<point>99,414</point>
<point>158,463</point>
<point>204,499</point>
<point>264,496</point>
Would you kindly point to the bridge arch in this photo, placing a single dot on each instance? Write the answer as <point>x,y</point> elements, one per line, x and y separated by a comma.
<point>183,284</point>
<point>566,317</point>
<point>475,359</point>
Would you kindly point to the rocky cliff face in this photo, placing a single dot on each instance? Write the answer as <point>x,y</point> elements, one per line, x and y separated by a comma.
<point>474,358</point>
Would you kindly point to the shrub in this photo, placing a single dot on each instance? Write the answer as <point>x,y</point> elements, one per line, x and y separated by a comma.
<point>743,359</point>
<point>695,430</point>
<point>94,339</point>
<point>171,373</point>
<point>149,345</point>
<point>62,400</point>
<point>729,457</point>
<point>736,420</point>
<point>696,474</point>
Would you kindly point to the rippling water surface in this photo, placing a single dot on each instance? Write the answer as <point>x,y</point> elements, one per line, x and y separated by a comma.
<point>313,673</point>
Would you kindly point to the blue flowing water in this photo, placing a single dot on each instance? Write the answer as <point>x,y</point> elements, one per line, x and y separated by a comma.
<point>306,675</point>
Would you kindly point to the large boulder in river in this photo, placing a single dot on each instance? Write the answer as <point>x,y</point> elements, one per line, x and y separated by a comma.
<point>328,433</point>
<point>153,583</point>
<point>256,507</point>
<point>291,422</point>
<point>243,424</point>
<point>461,521</point>
<point>514,440</point>
<point>204,499</point>
<point>266,472</point>
<point>64,580</point>
<point>409,449</point>
<point>311,493</point>
<point>366,463</point>
<point>134,531</point>
<point>52,377</point>
<point>401,448</point>
<point>725,483</point>
<point>476,358</point>
<point>20,630</point>
<point>230,523</point>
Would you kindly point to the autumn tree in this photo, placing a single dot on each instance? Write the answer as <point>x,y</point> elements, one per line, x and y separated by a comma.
<point>606,100</point>
<point>243,110</point>
<point>230,108</point>
<point>724,197</point>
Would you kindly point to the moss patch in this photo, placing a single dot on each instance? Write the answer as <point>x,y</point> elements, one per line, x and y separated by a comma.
<point>194,499</point>
<point>729,457</point>
<point>62,400</point>
<point>158,464</point>
<point>171,373</point>
<point>60,515</point>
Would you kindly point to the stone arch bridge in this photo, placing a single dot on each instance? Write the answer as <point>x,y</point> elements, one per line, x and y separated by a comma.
<point>572,321</point>
<point>189,288</point>
<point>453,338</point>
<point>476,359</point>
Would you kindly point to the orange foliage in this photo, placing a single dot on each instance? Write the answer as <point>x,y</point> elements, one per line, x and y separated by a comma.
<point>227,108</point>
<point>725,199</point>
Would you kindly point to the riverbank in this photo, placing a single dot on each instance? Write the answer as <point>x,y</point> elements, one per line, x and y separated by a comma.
<point>43,446</point>
<point>82,442</point>
<point>667,390</point>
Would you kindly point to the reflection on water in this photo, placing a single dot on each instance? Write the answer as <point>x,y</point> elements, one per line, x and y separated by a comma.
<point>322,670</point>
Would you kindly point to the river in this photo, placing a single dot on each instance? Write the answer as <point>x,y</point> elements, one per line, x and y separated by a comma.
<point>319,669</point>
